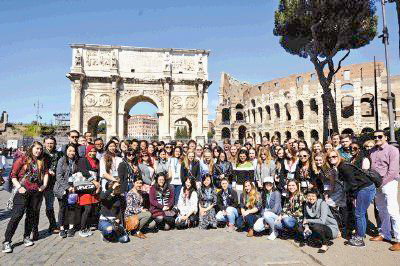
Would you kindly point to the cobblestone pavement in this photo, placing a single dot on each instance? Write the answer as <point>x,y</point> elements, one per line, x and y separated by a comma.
<point>192,246</point>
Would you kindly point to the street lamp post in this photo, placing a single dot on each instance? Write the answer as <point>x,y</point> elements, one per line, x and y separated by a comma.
<point>385,40</point>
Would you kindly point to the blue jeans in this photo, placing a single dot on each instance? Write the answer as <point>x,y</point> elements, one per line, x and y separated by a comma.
<point>364,199</point>
<point>287,222</point>
<point>231,215</point>
<point>246,222</point>
<point>269,217</point>
<point>177,191</point>
<point>108,233</point>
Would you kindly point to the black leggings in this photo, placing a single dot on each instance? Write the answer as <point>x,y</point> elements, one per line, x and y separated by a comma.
<point>165,222</point>
<point>28,202</point>
<point>63,203</point>
<point>192,222</point>
<point>322,231</point>
<point>85,215</point>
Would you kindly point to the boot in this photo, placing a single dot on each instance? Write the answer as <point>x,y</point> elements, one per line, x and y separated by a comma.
<point>52,221</point>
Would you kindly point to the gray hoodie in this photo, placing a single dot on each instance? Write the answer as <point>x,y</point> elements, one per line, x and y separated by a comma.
<point>319,213</point>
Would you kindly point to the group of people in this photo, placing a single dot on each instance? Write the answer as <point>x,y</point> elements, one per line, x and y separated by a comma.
<point>131,187</point>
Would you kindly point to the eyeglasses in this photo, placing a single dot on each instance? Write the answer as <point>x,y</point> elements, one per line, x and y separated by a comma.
<point>303,156</point>
<point>378,137</point>
<point>354,148</point>
<point>168,147</point>
<point>332,157</point>
<point>75,137</point>
<point>130,154</point>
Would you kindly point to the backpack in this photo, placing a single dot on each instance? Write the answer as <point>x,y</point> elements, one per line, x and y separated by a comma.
<point>373,175</point>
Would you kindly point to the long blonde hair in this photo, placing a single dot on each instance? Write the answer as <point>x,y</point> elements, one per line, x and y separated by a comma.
<point>211,165</point>
<point>253,196</point>
<point>186,159</point>
<point>268,156</point>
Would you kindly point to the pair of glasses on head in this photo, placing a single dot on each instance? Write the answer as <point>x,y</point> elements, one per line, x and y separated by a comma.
<point>378,137</point>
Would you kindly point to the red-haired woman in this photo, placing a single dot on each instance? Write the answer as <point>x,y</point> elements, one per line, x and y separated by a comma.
<point>29,178</point>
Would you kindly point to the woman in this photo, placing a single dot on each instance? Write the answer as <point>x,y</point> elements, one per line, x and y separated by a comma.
<point>227,203</point>
<point>89,167</point>
<point>369,144</point>
<point>320,168</point>
<point>162,163</point>
<point>303,144</point>
<point>222,169</point>
<point>162,202</point>
<point>187,206</point>
<point>328,146</point>
<point>143,145</point>
<point>110,214</point>
<point>206,164</point>
<point>292,208</point>
<point>244,171</point>
<point>185,149</point>
<point>207,202</point>
<point>253,157</point>
<point>271,208</point>
<point>109,164</point>
<point>29,178</point>
<point>317,147</point>
<point>63,189</point>
<point>360,187</point>
<point>233,155</point>
<point>318,221</point>
<point>191,168</point>
<point>134,206</point>
<point>169,150</point>
<point>250,206</point>
<point>304,174</point>
<point>286,171</point>
<point>123,147</point>
<point>147,171</point>
<point>216,152</point>
<point>359,157</point>
<point>128,171</point>
<point>174,173</point>
<point>265,167</point>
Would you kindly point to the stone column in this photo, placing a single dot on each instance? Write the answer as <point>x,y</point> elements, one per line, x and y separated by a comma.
<point>77,91</point>
<point>164,122</point>
<point>114,106</point>
<point>200,134</point>
<point>121,125</point>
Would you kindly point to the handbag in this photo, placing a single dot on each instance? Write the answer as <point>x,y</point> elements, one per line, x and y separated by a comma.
<point>132,222</point>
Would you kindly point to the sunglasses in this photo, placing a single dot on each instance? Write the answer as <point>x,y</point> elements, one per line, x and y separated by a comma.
<point>168,147</point>
<point>378,137</point>
<point>130,154</point>
<point>75,137</point>
<point>332,157</point>
<point>303,156</point>
<point>354,148</point>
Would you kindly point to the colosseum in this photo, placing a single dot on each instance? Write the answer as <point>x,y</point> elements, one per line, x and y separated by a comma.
<point>292,106</point>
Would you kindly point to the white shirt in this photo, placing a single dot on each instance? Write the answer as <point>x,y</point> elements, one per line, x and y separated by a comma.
<point>175,170</point>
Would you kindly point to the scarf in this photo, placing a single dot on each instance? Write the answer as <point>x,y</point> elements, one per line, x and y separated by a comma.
<point>313,211</point>
<point>92,161</point>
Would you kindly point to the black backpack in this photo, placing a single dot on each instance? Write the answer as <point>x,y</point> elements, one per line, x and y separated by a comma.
<point>373,175</point>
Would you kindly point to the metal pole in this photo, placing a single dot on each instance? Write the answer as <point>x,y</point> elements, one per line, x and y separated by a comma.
<point>385,40</point>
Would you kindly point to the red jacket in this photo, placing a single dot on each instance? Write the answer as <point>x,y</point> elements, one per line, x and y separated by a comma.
<point>18,171</point>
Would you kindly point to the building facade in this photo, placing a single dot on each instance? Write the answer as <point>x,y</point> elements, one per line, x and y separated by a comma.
<point>107,81</point>
<point>142,127</point>
<point>292,106</point>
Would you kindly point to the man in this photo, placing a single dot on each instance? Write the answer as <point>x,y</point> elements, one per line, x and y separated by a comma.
<point>265,142</point>
<point>335,137</point>
<point>82,146</point>
<point>385,160</point>
<point>227,145</point>
<point>135,145</point>
<point>192,144</point>
<point>73,137</point>
<point>51,156</point>
<point>250,140</point>
<point>345,149</point>
<point>88,137</point>
<point>99,146</point>
<point>238,145</point>
<point>248,145</point>
<point>275,143</point>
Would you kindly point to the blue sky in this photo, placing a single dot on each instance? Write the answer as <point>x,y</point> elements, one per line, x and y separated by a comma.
<point>35,56</point>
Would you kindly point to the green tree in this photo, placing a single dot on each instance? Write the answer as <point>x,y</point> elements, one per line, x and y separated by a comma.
<point>178,134</point>
<point>185,133</point>
<point>318,30</point>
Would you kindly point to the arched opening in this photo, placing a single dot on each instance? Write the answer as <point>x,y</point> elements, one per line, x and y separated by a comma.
<point>367,130</point>
<point>313,106</point>
<point>267,135</point>
<point>242,133</point>
<point>141,118</point>
<point>183,129</point>
<point>261,114</point>
<point>97,125</point>
<point>347,87</point>
<point>254,115</point>
<point>300,109</point>
<point>239,106</point>
<point>300,135</point>
<point>260,136</point>
<point>226,133</point>
<point>239,117</point>
<point>288,115</point>
<point>254,136</point>
<point>288,134</point>
<point>277,110</point>
<point>347,106</point>
<point>348,131</point>
<point>268,111</point>
<point>226,115</point>
<point>253,103</point>
<point>314,135</point>
<point>384,102</point>
<point>367,105</point>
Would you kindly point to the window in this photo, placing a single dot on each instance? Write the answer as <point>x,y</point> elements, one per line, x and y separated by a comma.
<point>276,84</point>
<point>346,75</point>
<point>299,80</point>
<point>313,76</point>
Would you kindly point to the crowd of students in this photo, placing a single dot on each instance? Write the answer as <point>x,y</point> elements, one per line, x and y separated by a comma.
<point>131,187</point>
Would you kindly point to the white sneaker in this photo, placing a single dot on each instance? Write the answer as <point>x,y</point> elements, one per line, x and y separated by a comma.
<point>83,233</point>
<point>272,236</point>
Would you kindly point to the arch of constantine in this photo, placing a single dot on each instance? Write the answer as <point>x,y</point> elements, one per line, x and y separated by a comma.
<point>292,106</point>
<point>107,81</point>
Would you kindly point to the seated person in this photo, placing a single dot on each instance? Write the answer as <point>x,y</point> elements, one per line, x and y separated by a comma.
<point>187,205</point>
<point>207,202</point>
<point>227,204</point>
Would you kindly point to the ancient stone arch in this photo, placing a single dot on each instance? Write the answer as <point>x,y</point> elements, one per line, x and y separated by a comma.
<point>107,81</point>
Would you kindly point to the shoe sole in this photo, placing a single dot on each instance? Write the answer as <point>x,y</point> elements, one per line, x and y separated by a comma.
<point>6,251</point>
<point>28,245</point>
<point>83,235</point>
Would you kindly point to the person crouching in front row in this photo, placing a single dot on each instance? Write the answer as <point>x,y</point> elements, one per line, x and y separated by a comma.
<point>187,206</point>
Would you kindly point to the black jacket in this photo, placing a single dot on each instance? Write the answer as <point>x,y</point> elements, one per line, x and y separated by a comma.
<point>193,173</point>
<point>125,174</point>
<point>354,179</point>
<point>222,168</point>
<point>232,200</point>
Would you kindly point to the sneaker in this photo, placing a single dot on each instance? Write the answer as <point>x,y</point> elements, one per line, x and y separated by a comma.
<point>6,247</point>
<point>63,233</point>
<point>273,235</point>
<point>356,242</point>
<point>28,242</point>
<point>83,233</point>
<point>71,232</point>
<point>89,232</point>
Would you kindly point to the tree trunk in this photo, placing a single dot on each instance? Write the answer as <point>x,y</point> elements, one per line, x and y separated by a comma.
<point>325,115</point>
<point>333,113</point>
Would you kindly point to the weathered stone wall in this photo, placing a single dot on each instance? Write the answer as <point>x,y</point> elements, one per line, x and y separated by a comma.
<point>292,106</point>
